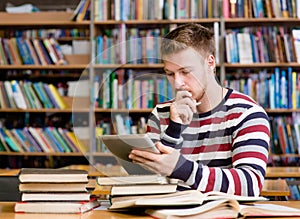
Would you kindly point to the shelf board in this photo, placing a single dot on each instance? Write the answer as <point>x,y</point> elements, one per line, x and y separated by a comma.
<point>43,67</point>
<point>157,22</point>
<point>129,66</point>
<point>284,155</point>
<point>260,21</point>
<point>262,65</point>
<point>101,110</point>
<point>75,154</point>
<point>69,110</point>
<point>282,110</point>
<point>39,19</point>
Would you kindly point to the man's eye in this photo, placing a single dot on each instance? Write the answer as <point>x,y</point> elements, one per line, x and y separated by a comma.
<point>169,73</point>
<point>185,72</point>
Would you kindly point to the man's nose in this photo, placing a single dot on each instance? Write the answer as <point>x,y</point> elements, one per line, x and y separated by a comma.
<point>179,81</point>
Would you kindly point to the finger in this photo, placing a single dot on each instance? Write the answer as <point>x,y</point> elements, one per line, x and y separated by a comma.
<point>188,101</point>
<point>182,94</point>
<point>142,155</point>
<point>163,149</point>
<point>185,113</point>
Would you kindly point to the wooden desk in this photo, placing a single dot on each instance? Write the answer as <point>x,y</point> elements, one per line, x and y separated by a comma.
<point>7,208</point>
<point>9,172</point>
<point>283,172</point>
<point>275,187</point>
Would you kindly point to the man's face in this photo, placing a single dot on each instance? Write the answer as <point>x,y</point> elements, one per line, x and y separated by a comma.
<point>187,70</point>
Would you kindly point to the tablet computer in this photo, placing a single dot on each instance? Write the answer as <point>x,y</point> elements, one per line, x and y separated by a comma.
<point>121,145</point>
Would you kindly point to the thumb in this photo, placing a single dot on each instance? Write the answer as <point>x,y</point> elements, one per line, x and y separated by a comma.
<point>163,149</point>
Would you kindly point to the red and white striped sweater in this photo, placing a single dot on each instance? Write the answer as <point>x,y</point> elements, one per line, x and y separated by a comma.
<point>225,149</point>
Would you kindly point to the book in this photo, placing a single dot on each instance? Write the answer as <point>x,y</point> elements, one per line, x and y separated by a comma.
<point>133,180</point>
<point>226,208</point>
<point>55,196</point>
<point>56,207</point>
<point>142,189</point>
<point>52,187</point>
<point>182,198</point>
<point>52,175</point>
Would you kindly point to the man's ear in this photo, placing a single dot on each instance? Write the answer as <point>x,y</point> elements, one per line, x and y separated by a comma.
<point>211,62</point>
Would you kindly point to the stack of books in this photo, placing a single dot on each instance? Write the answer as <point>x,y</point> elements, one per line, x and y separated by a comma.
<point>135,185</point>
<point>54,191</point>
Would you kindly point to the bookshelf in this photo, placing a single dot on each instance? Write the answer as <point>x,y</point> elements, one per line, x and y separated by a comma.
<point>41,26</point>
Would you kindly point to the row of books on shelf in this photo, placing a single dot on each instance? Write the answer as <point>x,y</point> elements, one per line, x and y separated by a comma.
<point>30,95</point>
<point>82,11</point>
<point>193,9</point>
<point>273,89</point>
<point>260,9</point>
<point>48,139</point>
<point>285,134</point>
<point>294,189</point>
<point>260,45</point>
<point>30,51</point>
<point>48,33</point>
<point>156,10</point>
<point>127,89</point>
<point>141,46</point>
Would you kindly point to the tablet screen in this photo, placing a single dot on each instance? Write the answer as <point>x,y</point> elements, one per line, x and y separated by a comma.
<point>121,145</point>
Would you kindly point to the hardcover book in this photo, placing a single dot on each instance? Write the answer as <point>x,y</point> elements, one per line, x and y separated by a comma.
<point>52,175</point>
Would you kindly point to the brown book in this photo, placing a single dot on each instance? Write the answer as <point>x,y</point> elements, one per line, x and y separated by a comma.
<point>52,175</point>
<point>52,187</point>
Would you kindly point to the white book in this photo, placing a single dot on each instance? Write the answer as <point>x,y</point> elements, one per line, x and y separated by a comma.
<point>245,48</point>
<point>10,95</point>
<point>296,36</point>
<point>40,141</point>
<point>18,95</point>
<point>217,41</point>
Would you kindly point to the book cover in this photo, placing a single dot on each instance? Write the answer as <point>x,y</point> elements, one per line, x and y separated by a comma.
<point>18,95</point>
<point>58,99</point>
<point>142,189</point>
<point>39,140</point>
<point>52,187</point>
<point>52,175</point>
<point>134,180</point>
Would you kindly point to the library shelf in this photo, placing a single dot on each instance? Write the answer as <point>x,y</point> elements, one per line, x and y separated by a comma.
<point>39,19</point>
<point>262,65</point>
<point>74,154</point>
<point>157,22</point>
<point>101,110</point>
<point>43,67</point>
<point>242,22</point>
<point>279,111</point>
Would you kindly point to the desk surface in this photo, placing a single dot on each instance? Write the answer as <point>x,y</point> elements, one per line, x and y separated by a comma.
<point>283,172</point>
<point>7,208</point>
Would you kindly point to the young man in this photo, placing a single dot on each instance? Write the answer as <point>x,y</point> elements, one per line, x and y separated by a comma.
<point>210,137</point>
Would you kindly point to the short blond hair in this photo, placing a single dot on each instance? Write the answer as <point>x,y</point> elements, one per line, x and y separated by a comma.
<point>190,35</point>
